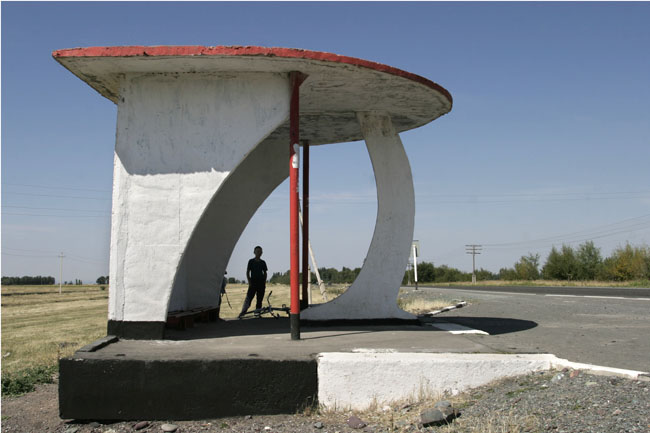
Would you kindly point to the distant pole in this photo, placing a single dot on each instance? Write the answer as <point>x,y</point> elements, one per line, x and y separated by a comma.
<point>61,256</point>
<point>473,249</point>
<point>415,266</point>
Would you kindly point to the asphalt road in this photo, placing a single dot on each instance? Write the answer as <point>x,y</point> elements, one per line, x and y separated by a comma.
<point>606,331</point>
<point>626,292</point>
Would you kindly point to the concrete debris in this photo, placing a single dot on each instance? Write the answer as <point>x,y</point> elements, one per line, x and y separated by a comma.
<point>318,425</point>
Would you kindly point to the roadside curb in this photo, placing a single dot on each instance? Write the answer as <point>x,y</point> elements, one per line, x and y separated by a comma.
<point>365,378</point>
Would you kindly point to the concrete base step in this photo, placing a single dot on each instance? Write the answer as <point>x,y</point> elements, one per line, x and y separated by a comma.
<point>127,389</point>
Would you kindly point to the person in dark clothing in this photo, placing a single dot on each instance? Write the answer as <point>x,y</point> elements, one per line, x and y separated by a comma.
<point>256,276</point>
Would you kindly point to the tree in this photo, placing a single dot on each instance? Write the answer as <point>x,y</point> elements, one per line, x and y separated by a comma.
<point>507,274</point>
<point>101,280</point>
<point>562,265</point>
<point>527,268</point>
<point>627,263</point>
<point>589,261</point>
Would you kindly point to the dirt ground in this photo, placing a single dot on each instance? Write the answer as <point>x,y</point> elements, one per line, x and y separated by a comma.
<point>567,401</point>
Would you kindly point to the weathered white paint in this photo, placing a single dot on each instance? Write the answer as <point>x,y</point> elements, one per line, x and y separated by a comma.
<point>330,97</point>
<point>357,380</point>
<point>368,376</point>
<point>373,295</point>
<point>179,138</point>
<point>559,363</point>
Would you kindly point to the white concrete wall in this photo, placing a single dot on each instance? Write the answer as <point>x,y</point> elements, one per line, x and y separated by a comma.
<point>373,295</point>
<point>179,137</point>
<point>357,380</point>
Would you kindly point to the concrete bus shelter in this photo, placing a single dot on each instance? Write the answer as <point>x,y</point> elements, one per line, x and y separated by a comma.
<point>203,139</point>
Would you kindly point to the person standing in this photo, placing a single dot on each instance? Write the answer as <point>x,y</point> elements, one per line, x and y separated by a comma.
<point>256,275</point>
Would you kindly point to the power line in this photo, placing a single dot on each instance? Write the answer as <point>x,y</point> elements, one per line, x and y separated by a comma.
<point>55,187</point>
<point>56,195</point>
<point>25,255</point>
<point>70,256</point>
<point>628,224</point>
<point>53,208</point>
<point>29,251</point>
<point>64,216</point>
<point>537,194</point>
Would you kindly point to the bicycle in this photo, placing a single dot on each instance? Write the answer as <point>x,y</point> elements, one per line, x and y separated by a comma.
<point>267,310</point>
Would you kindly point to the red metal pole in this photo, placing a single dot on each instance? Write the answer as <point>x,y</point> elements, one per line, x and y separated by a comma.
<point>305,224</point>
<point>294,138</point>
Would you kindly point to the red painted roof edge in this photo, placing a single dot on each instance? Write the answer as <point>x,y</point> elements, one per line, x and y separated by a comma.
<point>198,50</point>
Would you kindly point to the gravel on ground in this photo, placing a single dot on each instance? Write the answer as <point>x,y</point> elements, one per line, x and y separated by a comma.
<point>553,401</point>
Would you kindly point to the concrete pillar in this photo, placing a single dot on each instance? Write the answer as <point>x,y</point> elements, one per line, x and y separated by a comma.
<point>191,167</point>
<point>373,295</point>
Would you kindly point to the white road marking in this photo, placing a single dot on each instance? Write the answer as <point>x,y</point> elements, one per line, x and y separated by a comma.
<point>483,292</point>
<point>461,304</point>
<point>599,297</point>
<point>455,329</point>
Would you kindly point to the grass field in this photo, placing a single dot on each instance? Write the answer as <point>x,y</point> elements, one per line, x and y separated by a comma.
<point>39,325</point>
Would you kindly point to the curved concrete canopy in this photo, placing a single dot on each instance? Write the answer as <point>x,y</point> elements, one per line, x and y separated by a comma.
<point>336,88</point>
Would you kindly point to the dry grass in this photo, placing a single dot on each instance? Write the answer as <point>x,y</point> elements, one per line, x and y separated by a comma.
<point>39,326</point>
<point>403,415</point>
<point>544,283</point>
<point>422,306</point>
<point>237,292</point>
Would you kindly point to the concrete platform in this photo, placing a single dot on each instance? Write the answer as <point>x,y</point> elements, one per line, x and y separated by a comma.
<point>224,368</point>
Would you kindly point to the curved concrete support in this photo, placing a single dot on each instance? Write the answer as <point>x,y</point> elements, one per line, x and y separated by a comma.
<point>179,137</point>
<point>225,218</point>
<point>373,295</point>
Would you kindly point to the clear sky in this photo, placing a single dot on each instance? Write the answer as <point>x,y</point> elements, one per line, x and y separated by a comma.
<point>548,140</point>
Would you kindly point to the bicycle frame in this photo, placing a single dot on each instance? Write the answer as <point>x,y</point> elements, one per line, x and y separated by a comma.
<point>269,309</point>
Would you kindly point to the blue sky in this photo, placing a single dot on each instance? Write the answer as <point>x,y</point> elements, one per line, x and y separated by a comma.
<point>548,140</point>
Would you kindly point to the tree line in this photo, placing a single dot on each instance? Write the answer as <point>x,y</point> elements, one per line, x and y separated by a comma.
<point>328,275</point>
<point>584,262</point>
<point>27,280</point>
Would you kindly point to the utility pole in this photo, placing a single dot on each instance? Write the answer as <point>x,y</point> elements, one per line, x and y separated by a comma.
<point>473,249</point>
<point>60,256</point>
